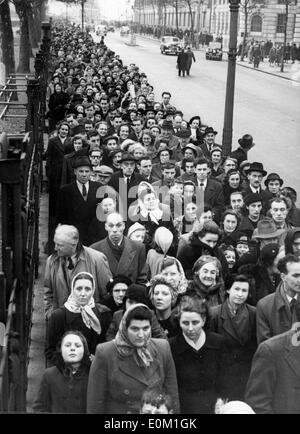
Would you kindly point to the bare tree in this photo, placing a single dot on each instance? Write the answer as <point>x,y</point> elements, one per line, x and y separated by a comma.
<point>6,38</point>
<point>190,4</point>
<point>287,3</point>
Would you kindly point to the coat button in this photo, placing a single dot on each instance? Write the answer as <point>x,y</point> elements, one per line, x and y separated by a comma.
<point>126,391</point>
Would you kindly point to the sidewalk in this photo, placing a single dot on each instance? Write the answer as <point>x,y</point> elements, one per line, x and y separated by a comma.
<point>291,71</point>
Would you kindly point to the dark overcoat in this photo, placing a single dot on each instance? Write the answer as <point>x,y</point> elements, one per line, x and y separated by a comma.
<point>116,383</point>
<point>240,345</point>
<point>274,382</point>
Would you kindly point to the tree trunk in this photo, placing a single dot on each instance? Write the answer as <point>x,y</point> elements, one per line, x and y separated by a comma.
<point>176,13</point>
<point>7,39</point>
<point>25,48</point>
<point>192,24</point>
<point>33,30</point>
<point>43,9</point>
<point>165,19</point>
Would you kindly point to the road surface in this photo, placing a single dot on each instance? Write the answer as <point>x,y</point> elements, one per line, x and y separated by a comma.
<point>266,106</point>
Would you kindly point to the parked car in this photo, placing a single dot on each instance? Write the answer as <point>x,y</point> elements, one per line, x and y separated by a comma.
<point>111,29</point>
<point>214,51</point>
<point>170,45</point>
<point>125,30</point>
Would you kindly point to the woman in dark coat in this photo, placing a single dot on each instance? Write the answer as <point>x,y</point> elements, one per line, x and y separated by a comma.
<point>235,320</point>
<point>80,312</point>
<point>124,368</point>
<point>58,104</point>
<point>232,183</point>
<point>197,355</point>
<point>63,388</point>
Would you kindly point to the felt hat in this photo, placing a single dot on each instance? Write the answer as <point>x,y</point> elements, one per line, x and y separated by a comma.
<point>135,227</point>
<point>209,130</point>
<point>273,177</point>
<point>184,134</point>
<point>167,125</point>
<point>266,228</point>
<point>127,157</point>
<point>194,148</point>
<point>246,141</point>
<point>256,167</point>
<point>103,170</point>
<point>252,198</point>
<point>82,161</point>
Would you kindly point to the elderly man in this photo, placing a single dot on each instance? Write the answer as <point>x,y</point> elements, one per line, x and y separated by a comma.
<point>276,313</point>
<point>126,257</point>
<point>70,258</point>
<point>77,201</point>
<point>167,136</point>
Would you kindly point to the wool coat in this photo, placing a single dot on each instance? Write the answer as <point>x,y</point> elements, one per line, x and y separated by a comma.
<point>132,263</point>
<point>273,315</point>
<point>198,373</point>
<point>240,345</point>
<point>116,383</point>
<point>61,393</point>
<point>274,382</point>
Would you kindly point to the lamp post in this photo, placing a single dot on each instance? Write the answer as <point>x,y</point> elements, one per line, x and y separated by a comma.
<point>229,99</point>
<point>82,15</point>
<point>285,31</point>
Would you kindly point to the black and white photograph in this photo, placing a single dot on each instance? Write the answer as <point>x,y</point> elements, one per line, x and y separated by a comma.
<point>149,209</point>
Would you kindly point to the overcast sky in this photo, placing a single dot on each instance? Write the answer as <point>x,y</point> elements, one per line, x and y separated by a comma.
<point>110,9</point>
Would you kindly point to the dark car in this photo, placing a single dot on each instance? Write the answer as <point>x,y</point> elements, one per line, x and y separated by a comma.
<point>214,51</point>
<point>170,45</point>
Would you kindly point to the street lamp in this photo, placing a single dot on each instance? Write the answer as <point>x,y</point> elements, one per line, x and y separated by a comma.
<point>229,99</point>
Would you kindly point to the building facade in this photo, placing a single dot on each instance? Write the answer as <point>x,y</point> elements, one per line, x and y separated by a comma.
<point>265,18</point>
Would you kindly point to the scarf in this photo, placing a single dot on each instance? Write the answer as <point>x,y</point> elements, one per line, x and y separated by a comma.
<point>141,355</point>
<point>88,316</point>
<point>154,215</point>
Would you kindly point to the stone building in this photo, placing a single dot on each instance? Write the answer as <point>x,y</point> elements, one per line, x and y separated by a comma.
<point>266,18</point>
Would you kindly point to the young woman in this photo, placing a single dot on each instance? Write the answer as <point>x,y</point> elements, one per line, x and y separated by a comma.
<point>232,182</point>
<point>230,221</point>
<point>197,356</point>
<point>80,312</point>
<point>235,320</point>
<point>63,388</point>
<point>163,296</point>
<point>124,368</point>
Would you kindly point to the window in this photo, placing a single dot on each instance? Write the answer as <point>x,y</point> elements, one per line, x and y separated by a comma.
<point>256,23</point>
<point>280,23</point>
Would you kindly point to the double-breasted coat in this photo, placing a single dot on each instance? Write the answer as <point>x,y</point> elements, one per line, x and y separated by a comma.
<point>116,383</point>
<point>132,263</point>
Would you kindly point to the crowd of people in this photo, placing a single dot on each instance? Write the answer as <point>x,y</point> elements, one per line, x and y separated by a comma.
<point>173,275</point>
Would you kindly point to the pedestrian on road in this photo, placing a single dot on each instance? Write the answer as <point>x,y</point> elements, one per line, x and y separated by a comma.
<point>182,62</point>
<point>256,56</point>
<point>191,58</point>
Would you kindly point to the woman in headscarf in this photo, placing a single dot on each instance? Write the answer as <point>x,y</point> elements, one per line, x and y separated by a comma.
<point>63,387</point>
<point>80,312</point>
<point>124,368</point>
<point>163,296</point>
<point>116,290</point>
<point>172,269</point>
<point>207,280</point>
<point>162,241</point>
<point>135,294</point>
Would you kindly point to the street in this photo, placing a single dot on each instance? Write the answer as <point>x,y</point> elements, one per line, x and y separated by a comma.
<point>266,106</point>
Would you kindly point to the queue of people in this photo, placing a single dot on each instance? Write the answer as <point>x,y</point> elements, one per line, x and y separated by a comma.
<point>165,289</point>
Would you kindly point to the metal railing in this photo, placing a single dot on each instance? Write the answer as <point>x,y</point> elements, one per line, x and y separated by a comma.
<point>21,180</point>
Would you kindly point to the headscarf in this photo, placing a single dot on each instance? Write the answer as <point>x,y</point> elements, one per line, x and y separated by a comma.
<point>163,238</point>
<point>182,283</point>
<point>156,214</point>
<point>142,355</point>
<point>88,316</point>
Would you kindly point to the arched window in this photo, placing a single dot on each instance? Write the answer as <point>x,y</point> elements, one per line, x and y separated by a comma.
<point>256,23</point>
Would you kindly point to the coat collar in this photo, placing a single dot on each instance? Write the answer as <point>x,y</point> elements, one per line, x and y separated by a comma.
<point>292,350</point>
<point>181,345</point>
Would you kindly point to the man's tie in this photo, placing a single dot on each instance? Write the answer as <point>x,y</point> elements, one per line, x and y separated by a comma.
<point>70,263</point>
<point>201,186</point>
<point>293,303</point>
<point>84,192</point>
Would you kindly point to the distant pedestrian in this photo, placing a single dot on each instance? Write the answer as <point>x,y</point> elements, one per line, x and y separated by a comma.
<point>256,56</point>
<point>191,58</point>
<point>182,62</point>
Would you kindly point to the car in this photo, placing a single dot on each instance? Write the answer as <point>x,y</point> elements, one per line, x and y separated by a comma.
<point>214,51</point>
<point>111,29</point>
<point>125,30</point>
<point>170,45</point>
<point>101,30</point>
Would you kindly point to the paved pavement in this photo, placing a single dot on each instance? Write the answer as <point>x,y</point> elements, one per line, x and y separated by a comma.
<point>291,71</point>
